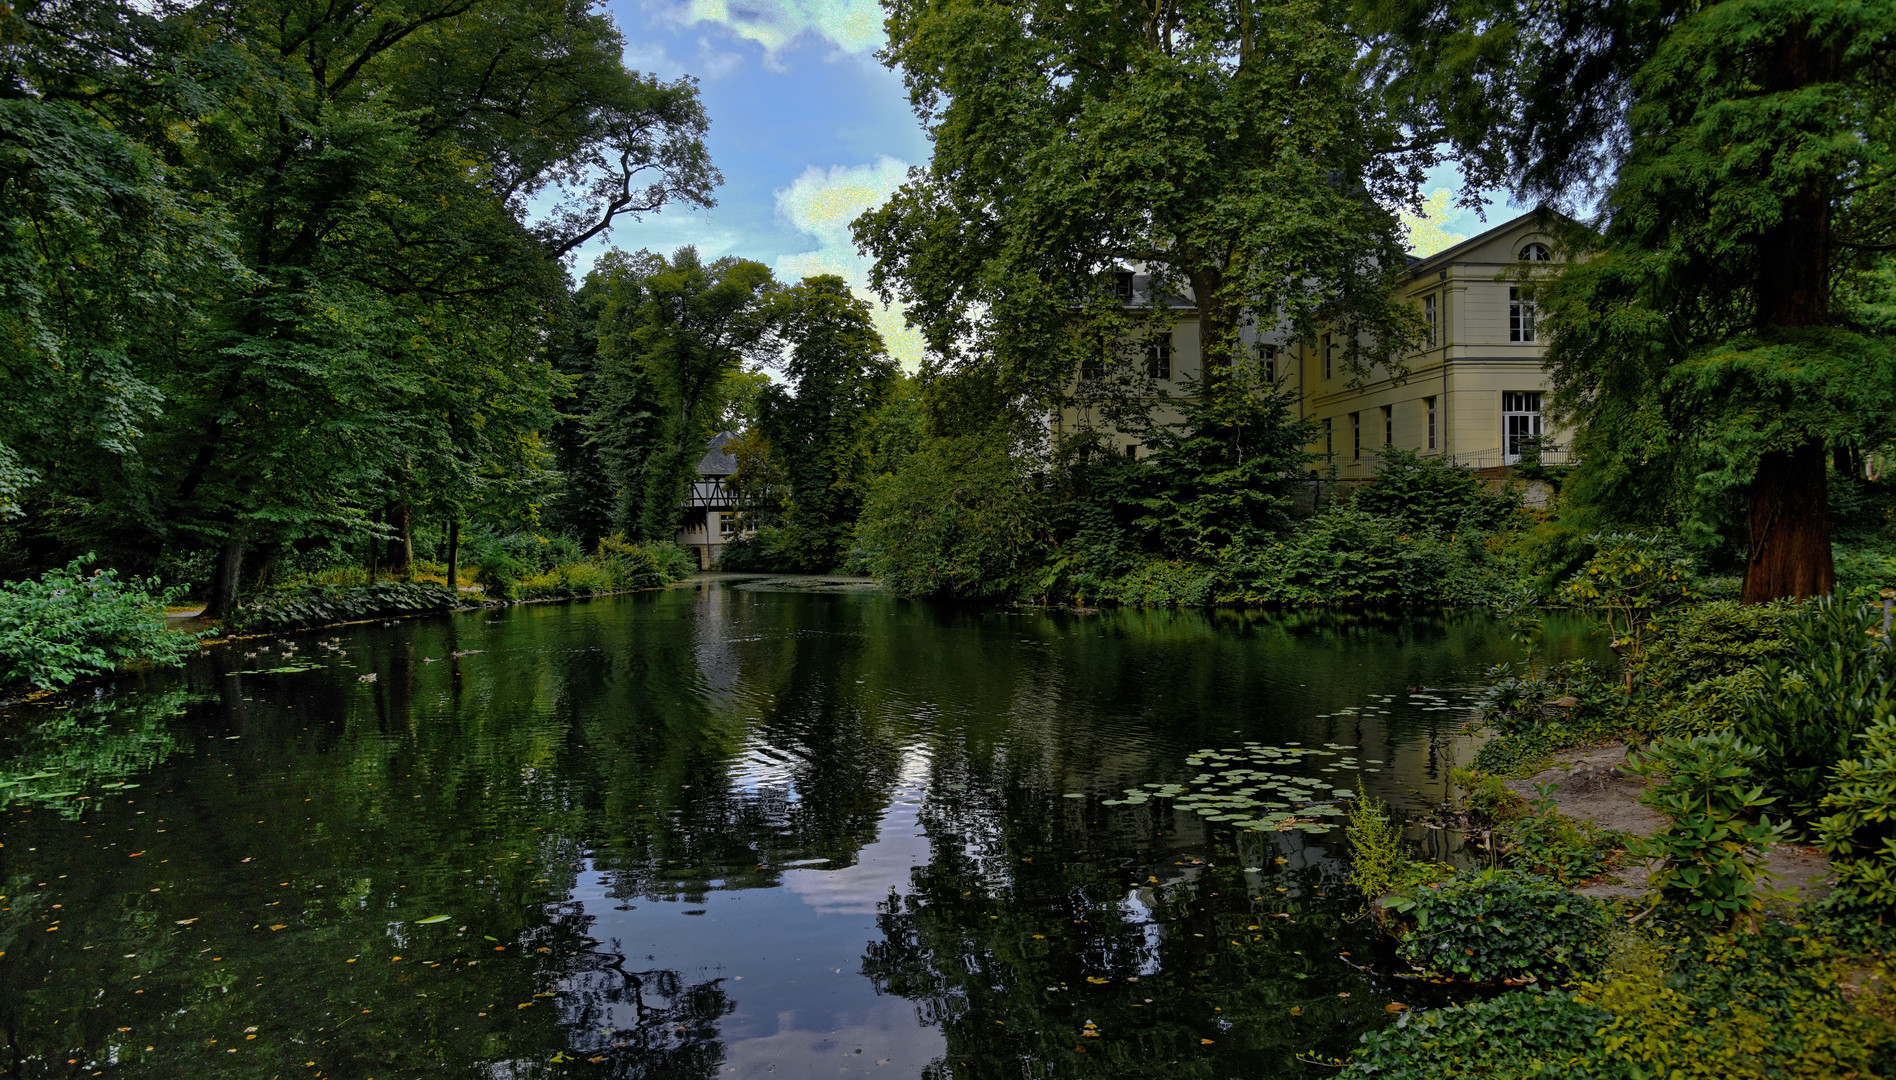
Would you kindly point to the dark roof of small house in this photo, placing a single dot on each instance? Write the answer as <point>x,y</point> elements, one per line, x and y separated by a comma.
<point>717,461</point>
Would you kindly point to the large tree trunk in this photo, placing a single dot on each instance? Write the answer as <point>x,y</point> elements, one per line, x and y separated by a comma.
<point>401,546</point>
<point>1790,507</point>
<point>1790,527</point>
<point>226,581</point>
<point>454,554</point>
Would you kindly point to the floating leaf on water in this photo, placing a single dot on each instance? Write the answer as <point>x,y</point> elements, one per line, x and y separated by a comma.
<point>431,920</point>
<point>1074,795</point>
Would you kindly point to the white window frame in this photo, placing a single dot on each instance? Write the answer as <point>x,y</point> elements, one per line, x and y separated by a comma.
<point>1521,317</point>
<point>1520,420</point>
<point>1536,252</point>
<point>1356,436</point>
<point>1429,317</point>
<point>1429,403</point>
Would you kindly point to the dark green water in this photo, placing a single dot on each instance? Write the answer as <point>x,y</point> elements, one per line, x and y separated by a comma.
<point>720,831</point>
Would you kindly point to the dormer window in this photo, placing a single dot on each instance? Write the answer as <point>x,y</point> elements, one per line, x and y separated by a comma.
<point>1536,252</point>
<point>1122,285</point>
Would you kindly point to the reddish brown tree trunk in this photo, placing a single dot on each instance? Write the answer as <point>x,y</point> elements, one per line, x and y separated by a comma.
<point>1790,507</point>
<point>1790,527</point>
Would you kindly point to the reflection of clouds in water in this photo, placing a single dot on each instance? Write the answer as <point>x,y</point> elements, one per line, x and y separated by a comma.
<point>885,1030</point>
<point>881,867</point>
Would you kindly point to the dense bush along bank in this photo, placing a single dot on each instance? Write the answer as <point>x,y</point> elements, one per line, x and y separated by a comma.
<point>1754,724</point>
<point>1206,519</point>
<point>77,623</point>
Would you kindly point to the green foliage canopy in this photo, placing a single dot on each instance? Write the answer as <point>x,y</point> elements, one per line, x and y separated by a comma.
<point>1226,150</point>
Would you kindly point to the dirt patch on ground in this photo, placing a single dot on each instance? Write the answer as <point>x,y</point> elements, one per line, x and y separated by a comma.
<point>1589,785</point>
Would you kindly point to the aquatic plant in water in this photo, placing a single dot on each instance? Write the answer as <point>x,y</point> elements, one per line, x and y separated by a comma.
<point>1255,786</point>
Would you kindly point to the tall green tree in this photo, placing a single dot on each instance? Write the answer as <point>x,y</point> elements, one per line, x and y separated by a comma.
<point>1224,148</point>
<point>391,189</point>
<point>671,332</point>
<point>819,433</point>
<point>1717,338</point>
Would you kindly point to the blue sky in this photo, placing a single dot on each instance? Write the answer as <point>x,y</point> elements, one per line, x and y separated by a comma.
<point>810,130</point>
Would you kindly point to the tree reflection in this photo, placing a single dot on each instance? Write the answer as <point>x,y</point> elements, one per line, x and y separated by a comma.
<point>1033,963</point>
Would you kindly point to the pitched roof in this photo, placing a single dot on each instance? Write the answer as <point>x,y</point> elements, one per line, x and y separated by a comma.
<point>717,461</point>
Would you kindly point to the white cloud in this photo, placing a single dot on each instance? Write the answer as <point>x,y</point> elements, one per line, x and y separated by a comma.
<point>1427,230</point>
<point>821,203</point>
<point>650,56</point>
<point>716,63</point>
<point>854,26</point>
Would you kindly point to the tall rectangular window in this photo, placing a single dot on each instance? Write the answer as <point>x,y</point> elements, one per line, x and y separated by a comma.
<point>1520,422</point>
<point>1329,439</point>
<point>1520,316</point>
<point>1269,356</point>
<point>1430,404</point>
<point>1159,356</point>
<point>1323,345</point>
<point>1356,435</point>
<point>1428,319</point>
<point>1389,425</point>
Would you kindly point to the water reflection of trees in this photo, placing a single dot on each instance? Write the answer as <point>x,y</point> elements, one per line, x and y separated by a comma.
<point>767,755</point>
<point>1015,943</point>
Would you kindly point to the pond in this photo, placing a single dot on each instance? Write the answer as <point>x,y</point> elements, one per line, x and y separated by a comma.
<point>737,828</point>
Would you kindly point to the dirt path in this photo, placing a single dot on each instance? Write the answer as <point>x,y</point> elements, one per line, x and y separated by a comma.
<point>1589,786</point>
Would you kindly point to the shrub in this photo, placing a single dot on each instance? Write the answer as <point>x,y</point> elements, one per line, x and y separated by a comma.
<point>69,624</point>
<point>1864,574</point>
<point>1859,832</point>
<point>1488,796</point>
<point>1542,840</point>
<point>1630,578</point>
<point>1378,853</point>
<point>1345,556</point>
<point>1698,1008</point>
<point>1496,926</point>
<point>1431,493</point>
<point>964,518</point>
<point>1703,663</point>
<point>1810,709</point>
<point>1527,729</point>
<point>1714,639</point>
<point>498,572</point>
<point>1709,853</point>
<point>1522,1034</point>
<point>1161,583</point>
<point>644,566</point>
<point>313,604</point>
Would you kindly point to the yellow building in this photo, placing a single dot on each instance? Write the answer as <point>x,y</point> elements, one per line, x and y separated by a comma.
<point>1473,393</point>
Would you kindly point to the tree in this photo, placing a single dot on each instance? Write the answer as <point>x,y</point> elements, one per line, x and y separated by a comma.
<point>818,434</point>
<point>674,330</point>
<point>1226,149</point>
<point>381,196</point>
<point>1717,336</point>
<point>1221,476</point>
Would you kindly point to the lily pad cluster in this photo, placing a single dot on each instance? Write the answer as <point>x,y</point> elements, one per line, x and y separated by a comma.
<point>1254,786</point>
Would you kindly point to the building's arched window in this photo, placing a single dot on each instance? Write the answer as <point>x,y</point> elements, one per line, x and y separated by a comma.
<point>1536,252</point>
